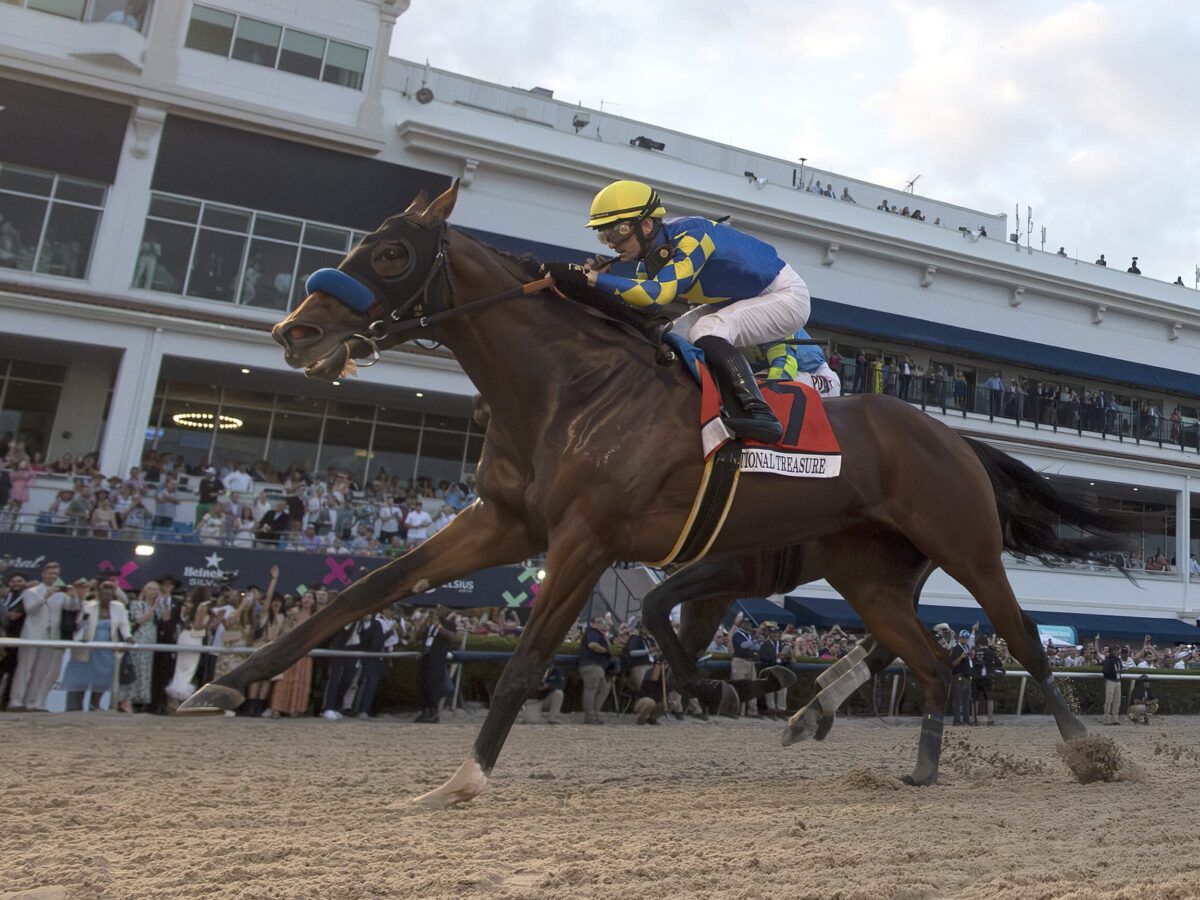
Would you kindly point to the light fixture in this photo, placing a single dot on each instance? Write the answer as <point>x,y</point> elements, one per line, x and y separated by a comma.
<point>144,550</point>
<point>419,394</point>
<point>245,371</point>
<point>580,120</point>
<point>540,576</point>
<point>750,176</point>
<point>335,383</point>
<point>205,420</point>
<point>1135,489</point>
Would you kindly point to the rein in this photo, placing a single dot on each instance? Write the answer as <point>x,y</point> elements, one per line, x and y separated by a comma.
<point>392,326</point>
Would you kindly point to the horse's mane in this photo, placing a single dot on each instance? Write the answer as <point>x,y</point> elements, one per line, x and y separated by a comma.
<point>523,265</point>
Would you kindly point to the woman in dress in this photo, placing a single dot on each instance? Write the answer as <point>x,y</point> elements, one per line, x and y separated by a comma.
<point>243,529</point>
<point>239,631</point>
<point>102,619</point>
<point>136,697</point>
<point>268,625</point>
<point>193,624</point>
<point>21,476</point>
<point>291,693</point>
<point>103,518</point>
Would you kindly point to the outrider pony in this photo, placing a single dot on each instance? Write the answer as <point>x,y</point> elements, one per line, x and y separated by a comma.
<point>592,456</point>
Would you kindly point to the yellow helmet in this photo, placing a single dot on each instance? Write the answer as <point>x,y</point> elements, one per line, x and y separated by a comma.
<point>625,200</point>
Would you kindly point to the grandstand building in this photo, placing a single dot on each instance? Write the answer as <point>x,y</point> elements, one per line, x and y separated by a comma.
<point>170,172</point>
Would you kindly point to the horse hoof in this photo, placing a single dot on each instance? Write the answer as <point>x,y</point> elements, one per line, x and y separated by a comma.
<point>465,784</point>
<point>919,780</point>
<point>212,700</point>
<point>803,725</point>
<point>784,676</point>
<point>730,703</point>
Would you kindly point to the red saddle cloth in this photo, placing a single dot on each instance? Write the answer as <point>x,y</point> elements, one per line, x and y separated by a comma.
<point>808,448</point>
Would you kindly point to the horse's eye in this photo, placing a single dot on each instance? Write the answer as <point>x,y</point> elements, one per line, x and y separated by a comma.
<point>392,253</point>
<point>390,261</point>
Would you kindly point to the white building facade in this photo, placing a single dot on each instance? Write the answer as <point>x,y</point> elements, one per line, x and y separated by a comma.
<point>171,172</point>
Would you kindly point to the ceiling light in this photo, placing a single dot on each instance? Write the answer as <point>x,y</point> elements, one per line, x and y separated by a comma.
<point>336,383</point>
<point>144,550</point>
<point>419,394</point>
<point>205,421</point>
<point>245,371</point>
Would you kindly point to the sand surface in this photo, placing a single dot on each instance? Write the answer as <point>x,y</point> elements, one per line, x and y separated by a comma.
<point>102,805</point>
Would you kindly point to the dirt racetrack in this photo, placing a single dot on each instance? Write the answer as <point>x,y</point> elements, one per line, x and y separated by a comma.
<point>100,805</point>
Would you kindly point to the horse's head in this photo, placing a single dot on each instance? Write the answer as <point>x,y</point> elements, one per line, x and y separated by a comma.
<point>390,274</point>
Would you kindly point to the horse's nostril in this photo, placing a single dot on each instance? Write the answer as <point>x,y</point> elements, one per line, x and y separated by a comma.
<point>300,333</point>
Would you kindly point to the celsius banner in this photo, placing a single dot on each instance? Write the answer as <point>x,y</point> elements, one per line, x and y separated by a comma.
<point>204,564</point>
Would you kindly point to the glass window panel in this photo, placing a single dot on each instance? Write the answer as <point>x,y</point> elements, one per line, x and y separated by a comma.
<point>252,399</point>
<point>189,392</point>
<point>302,53</point>
<point>172,208</point>
<point>256,42</point>
<point>441,456</point>
<point>345,65</point>
<point>267,281</point>
<point>30,396</point>
<point>163,255</point>
<point>398,416</point>
<point>294,442</point>
<point>329,238</point>
<point>26,182</point>
<point>216,265</point>
<point>72,9</point>
<point>80,192</point>
<point>299,404</point>
<point>351,410</point>
<point>67,247</point>
<point>190,443</point>
<point>345,447</point>
<point>310,261</point>
<point>275,227</point>
<point>130,13</point>
<point>210,30</point>
<point>394,453</point>
<point>445,422</point>
<point>39,371</point>
<point>20,227</point>
<point>226,218</point>
<point>246,443</point>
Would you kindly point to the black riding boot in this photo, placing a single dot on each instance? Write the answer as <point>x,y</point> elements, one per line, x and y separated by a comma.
<point>748,415</point>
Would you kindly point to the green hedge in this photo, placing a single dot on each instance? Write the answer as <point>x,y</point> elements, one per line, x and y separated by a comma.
<point>398,691</point>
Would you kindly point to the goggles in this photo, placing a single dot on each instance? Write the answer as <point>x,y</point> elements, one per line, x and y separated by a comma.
<point>617,231</point>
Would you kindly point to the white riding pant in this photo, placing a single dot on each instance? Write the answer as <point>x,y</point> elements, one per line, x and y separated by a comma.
<point>775,314</point>
<point>824,379</point>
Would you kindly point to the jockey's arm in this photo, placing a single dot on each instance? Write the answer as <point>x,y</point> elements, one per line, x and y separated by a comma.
<point>673,279</point>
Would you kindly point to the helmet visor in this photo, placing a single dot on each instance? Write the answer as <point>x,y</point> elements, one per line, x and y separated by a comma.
<point>617,232</point>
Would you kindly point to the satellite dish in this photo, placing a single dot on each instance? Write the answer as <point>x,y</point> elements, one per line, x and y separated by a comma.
<point>424,95</point>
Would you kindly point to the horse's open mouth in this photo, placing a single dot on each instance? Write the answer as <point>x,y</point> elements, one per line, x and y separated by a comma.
<point>330,366</point>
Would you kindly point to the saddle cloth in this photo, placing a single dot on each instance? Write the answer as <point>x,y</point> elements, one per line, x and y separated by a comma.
<point>808,448</point>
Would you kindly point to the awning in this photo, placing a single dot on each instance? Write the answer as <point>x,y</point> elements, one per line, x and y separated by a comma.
<point>759,610</point>
<point>825,612</point>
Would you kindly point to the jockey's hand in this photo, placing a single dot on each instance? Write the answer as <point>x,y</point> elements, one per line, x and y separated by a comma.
<point>566,274</point>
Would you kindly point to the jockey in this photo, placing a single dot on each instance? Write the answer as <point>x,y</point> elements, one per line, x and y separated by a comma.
<point>743,292</point>
<point>786,361</point>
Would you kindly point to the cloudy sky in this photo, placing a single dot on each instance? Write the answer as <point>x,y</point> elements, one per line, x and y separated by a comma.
<point>1089,112</point>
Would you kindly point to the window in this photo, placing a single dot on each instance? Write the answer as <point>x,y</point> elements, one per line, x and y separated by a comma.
<point>210,30</point>
<point>48,222</point>
<point>271,45</point>
<point>256,42</point>
<point>220,252</point>
<point>29,394</point>
<point>130,13</point>
<point>302,54</point>
<point>345,65</point>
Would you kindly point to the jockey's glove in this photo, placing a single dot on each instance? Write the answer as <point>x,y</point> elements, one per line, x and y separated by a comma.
<point>566,274</point>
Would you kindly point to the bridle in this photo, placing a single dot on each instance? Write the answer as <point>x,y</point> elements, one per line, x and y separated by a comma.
<point>422,308</point>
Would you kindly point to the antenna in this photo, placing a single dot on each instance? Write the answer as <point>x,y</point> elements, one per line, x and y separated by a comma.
<point>908,187</point>
<point>1029,230</point>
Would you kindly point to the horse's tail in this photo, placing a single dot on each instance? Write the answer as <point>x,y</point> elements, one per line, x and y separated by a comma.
<point>1033,516</point>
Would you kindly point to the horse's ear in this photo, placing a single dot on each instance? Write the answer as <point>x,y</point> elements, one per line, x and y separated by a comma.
<point>439,210</point>
<point>418,205</point>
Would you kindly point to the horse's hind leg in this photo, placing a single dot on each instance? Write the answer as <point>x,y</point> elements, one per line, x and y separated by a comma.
<point>989,585</point>
<point>892,561</point>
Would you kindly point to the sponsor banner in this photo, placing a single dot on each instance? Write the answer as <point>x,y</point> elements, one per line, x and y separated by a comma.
<point>1057,635</point>
<point>796,465</point>
<point>203,564</point>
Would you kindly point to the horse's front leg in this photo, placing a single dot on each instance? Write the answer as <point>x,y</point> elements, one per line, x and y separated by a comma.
<point>572,569</point>
<point>481,536</point>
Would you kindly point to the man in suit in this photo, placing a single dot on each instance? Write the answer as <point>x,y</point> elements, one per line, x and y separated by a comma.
<point>341,668</point>
<point>770,653</point>
<point>377,634</point>
<point>38,667</point>
<point>12,615</point>
<point>274,523</point>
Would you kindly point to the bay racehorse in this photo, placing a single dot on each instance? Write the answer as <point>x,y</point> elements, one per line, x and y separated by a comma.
<point>592,455</point>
